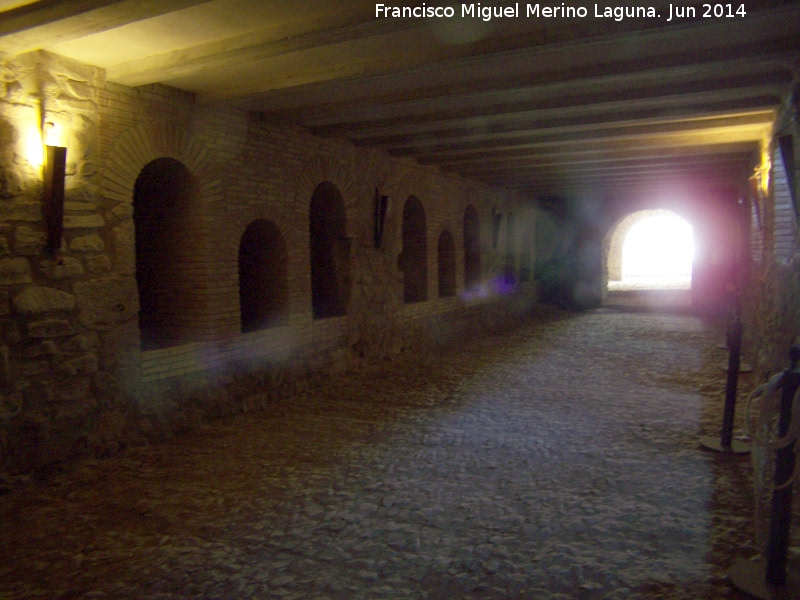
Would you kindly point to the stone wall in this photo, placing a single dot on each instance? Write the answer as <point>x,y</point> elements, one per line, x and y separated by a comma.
<point>74,375</point>
<point>771,298</point>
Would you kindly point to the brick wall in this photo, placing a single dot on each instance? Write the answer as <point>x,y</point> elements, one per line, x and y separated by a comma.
<point>74,375</point>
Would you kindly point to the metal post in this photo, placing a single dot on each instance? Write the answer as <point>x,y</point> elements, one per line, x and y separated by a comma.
<point>725,443</point>
<point>734,354</point>
<point>767,578</point>
<point>781,512</point>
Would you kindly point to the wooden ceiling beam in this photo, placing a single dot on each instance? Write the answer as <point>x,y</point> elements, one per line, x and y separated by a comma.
<point>763,33</point>
<point>410,115</point>
<point>672,100</point>
<point>48,22</point>
<point>569,154</point>
<point>521,132</point>
<point>604,164</point>
<point>251,47</point>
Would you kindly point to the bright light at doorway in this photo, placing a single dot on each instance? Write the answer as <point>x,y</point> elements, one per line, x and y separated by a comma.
<point>658,249</point>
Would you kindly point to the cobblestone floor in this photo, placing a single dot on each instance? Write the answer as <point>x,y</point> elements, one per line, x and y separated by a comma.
<point>557,461</point>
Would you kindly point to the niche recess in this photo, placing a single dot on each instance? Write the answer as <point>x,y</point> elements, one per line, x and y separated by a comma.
<point>263,289</point>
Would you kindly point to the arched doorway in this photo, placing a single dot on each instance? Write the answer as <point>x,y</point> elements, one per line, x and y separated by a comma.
<point>651,249</point>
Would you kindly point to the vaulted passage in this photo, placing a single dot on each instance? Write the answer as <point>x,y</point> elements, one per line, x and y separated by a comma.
<point>366,267</point>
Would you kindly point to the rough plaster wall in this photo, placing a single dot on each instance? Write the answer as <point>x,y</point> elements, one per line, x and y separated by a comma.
<point>73,377</point>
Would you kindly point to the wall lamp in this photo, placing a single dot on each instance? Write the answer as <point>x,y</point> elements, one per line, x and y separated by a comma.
<point>55,169</point>
<point>379,217</point>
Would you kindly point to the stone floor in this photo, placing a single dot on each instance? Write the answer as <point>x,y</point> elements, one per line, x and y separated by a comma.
<point>557,461</point>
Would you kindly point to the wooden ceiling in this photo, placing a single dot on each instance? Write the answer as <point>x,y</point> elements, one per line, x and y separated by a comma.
<point>547,106</point>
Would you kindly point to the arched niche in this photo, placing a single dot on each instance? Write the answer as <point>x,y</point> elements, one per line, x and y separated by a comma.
<point>329,251</point>
<point>414,256</point>
<point>263,288</point>
<point>166,253</point>
<point>472,248</point>
<point>446,260</point>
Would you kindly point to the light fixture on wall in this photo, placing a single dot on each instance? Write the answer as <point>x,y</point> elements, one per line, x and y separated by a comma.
<point>379,216</point>
<point>55,169</point>
<point>497,218</point>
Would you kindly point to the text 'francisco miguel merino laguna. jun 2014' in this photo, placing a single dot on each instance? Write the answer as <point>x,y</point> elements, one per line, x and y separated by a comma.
<point>561,11</point>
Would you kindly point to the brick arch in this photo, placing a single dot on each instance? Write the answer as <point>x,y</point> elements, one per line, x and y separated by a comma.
<point>149,141</point>
<point>322,169</point>
<point>227,250</point>
<point>407,184</point>
<point>141,152</point>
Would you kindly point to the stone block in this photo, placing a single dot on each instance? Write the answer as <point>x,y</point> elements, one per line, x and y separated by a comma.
<point>80,206</point>
<point>9,332</point>
<point>73,105</point>
<point>98,263</point>
<point>5,366</point>
<point>125,248</point>
<point>91,221</point>
<point>14,271</point>
<point>78,89</point>
<point>34,367</point>
<point>5,302</point>
<point>81,344</point>
<point>46,348</point>
<point>77,411</point>
<point>5,249</point>
<point>30,212</point>
<point>10,404</point>
<point>50,328</point>
<point>87,243</point>
<point>10,182</point>
<point>36,300</point>
<point>82,365</point>
<point>29,241</point>
<point>107,301</point>
<point>122,212</point>
<point>69,267</point>
<point>65,391</point>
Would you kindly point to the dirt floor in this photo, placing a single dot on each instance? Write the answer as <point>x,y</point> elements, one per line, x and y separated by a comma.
<point>559,460</point>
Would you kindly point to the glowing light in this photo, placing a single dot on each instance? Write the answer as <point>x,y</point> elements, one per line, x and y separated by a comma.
<point>32,147</point>
<point>763,171</point>
<point>659,247</point>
